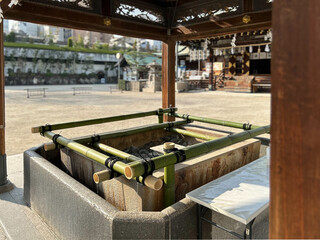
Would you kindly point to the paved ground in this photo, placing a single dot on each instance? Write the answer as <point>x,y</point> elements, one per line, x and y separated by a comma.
<point>60,105</point>
<point>17,221</point>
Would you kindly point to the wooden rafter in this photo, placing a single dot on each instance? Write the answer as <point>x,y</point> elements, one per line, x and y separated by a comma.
<point>259,21</point>
<point>62,17</point>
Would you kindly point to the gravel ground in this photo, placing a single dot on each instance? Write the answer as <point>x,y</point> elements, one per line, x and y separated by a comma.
<point>60,105</point>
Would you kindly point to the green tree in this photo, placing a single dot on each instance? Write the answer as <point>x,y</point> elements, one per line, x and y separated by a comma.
<point>11,37</point>
<point>79,43</point>
<point>70,42</point>
<point>134,45</point>
<point>105,46</point>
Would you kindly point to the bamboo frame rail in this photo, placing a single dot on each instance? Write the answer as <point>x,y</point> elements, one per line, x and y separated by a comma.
<point>118,166</point>
<point>193,134</point>
<point>150,181</point>
<point>42,129</point>
<point>245,126</point>
<point>137,169</point>
<point>119,133</point>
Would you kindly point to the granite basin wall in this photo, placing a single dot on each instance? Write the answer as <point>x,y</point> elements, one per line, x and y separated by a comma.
<point>128,195</point>
<point>75,210</point>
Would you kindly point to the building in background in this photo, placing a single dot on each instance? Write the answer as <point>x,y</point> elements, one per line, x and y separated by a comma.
<point>5,26</point>
<point>30,30</point>
<point>91,37</point>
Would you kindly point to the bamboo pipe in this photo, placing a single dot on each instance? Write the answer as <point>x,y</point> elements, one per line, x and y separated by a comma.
<point>101,176</point>
<point>131,131</point>
<point>150,181</point>
<point>121,133</point>
<point>119,167</point>
<point>88,152</point>
<point>244,126</point>
<point>169,178</point>
<point>193,134</point>
<point>53,127</point>
<point>136,169</point>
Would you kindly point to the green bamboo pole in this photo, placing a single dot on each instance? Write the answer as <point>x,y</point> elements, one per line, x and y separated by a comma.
<point>217,122</point>
<point>193,134</point>
<point>120,133</point>
<point>160,115</point>
<point>53,127</point>
<point>150,181</point>
<point>169,178</point>
<point>86,151</point>
<point>131,131</point>
<point>116,152</point>
<point>135,169</point>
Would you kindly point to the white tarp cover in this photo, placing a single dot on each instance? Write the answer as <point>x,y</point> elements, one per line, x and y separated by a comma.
<point>241,194</point>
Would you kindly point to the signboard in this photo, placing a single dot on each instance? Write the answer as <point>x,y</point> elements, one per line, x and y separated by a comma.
<point>208,67</point>
<point>217,66</point>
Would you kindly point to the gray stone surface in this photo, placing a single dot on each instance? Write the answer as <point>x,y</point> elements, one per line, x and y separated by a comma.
<point>3,235</point>
<point>75,212</point>
<point>72,210</point>
<point>17,220</point>
<point>140,225</point>
<point>182,219</point>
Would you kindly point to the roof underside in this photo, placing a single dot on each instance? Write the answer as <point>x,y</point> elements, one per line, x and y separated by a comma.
<point>157,19</point>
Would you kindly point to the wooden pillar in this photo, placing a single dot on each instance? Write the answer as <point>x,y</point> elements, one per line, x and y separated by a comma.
<point>3,161</point>
<point>295,134</point>
<point>210,60</point>
<point>168,76</point>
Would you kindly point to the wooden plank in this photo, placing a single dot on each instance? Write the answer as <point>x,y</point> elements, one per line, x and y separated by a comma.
<point>295,137</point>
<point>38,13</point>
<point>2,96</point>
<point>168,76</point>
<point>4,5</point>
<point>259,21</point>
<point>247,6</point>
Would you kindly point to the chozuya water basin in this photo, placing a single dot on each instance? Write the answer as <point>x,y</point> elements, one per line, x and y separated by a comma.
<point>59,183</point>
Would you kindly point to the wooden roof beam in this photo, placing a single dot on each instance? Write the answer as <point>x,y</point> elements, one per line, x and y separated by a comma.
<point>38,13</point>
<point>259,21</point>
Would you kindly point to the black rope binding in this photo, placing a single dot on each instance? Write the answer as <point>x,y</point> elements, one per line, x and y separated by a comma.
<point>54,139</point>
<point>180,154</point>
<point>45,129</point>
<point>95,139</point>
<point>186,116</point>
<point>247,126</point>
<point>111,161</point>
<point>146,164</point>
<point>172,111</point>
<point>160,111</point>
<point>170,125</point>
